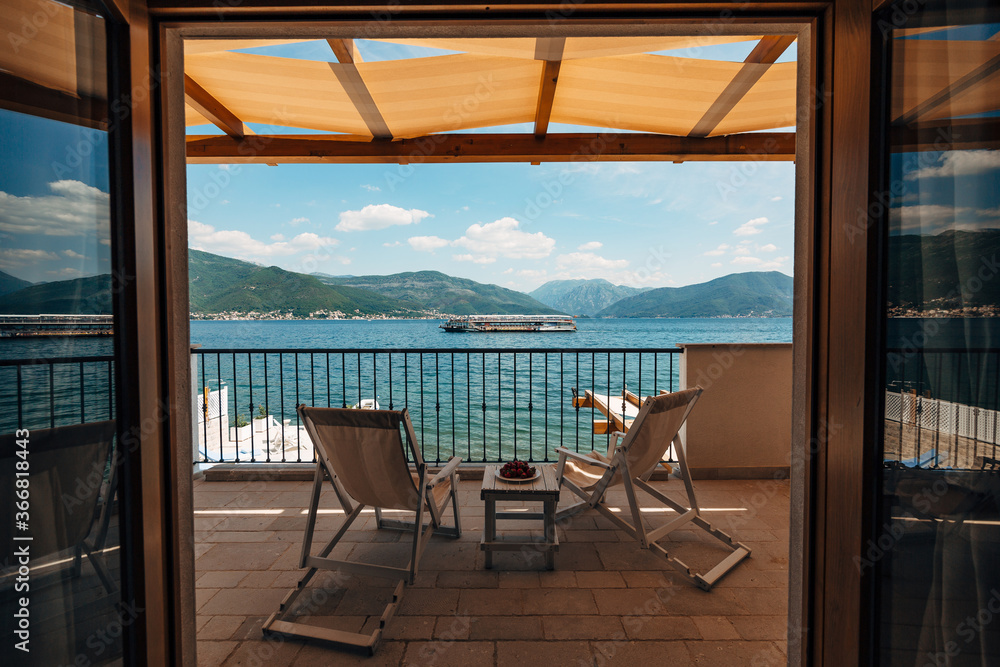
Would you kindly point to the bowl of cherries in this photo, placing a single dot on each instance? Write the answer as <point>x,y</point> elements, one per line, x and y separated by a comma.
<point>517,471</point>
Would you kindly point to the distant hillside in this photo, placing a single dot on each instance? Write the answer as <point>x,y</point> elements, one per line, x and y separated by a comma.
<point>9,283</point>
<point>446,294</point>
<point>761,294</point>
<point>84,296</point>
<point>929,272</point>
<point>220,284</point>
<point>583,297</point>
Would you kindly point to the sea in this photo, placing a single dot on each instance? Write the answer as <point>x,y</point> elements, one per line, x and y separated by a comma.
<point>484,396</point>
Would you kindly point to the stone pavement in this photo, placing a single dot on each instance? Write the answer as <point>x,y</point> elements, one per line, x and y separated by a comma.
<point>608,602</point>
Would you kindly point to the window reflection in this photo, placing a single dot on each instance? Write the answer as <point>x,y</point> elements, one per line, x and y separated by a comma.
<point>938,543</point>
<point>60,585</point>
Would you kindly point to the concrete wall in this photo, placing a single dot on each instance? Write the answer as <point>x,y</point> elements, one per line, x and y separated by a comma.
<point>741,427</point>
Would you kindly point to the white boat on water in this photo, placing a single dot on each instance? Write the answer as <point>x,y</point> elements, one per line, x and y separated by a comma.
<point>509,323</point>
<point>367,404</point>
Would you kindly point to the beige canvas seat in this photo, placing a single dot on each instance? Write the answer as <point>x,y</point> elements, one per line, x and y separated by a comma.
<point>362,454</point>
<point>630,461</point>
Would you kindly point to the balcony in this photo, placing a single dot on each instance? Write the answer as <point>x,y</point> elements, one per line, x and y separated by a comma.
<point>608,602</point>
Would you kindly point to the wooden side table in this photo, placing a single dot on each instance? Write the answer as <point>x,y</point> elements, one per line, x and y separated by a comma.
<point>544,489</point>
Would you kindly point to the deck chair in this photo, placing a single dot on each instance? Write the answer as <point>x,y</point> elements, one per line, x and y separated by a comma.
<point>631,459</point>
<point>362,454</point>
<point>71,495</point>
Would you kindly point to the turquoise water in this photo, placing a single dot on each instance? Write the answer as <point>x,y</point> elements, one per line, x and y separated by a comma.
<point>484,397</point>
<point>515,400</point>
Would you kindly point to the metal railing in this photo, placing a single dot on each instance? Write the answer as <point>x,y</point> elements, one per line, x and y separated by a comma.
<point>483,404</point>
<point>942,407</point>
<point>57,391</point>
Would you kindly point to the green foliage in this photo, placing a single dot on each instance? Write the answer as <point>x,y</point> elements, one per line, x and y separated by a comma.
<point>80,296</point>
<point>9,283</point>
<point>444,293</point>
<point>261,411</point>
<point>759,294</point>
<point>241,420</point>
<point>220,284</point>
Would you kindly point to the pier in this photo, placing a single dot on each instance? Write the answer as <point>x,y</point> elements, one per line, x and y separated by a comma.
<point>27,326</point>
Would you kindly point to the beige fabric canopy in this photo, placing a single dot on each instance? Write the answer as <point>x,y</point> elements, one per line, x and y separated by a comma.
<point>598,82</point>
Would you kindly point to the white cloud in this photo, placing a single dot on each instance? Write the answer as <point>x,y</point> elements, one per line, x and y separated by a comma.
<point>474,258</point>
<point>392,245</point>
<point>721,250</point>
<point>776,198</point>
<point>503,238</point>
<point>590,245</point>
<point>427,243</point>
<point>73,209</point>
<point>713,223</point>
<point>73,254</point>
<point>750,227</point>
<point>67,272</point>
<point>928,218</point>
<point>716,265</point>
<point>776,263</point>
<point>960,163</point>
<point>590,260</point>
<point>379,216</point>
<point>295,222</point>
<point>742,250</point>
<point>232,242</point>
<point>371,188</point>
<point>769,247</point>
<point>277,237</point>
<point>13,258</point>
<point>532,273</point>
<point>743,260</point>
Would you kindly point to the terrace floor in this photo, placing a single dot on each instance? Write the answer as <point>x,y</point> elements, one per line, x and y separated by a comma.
<point>608,602</point>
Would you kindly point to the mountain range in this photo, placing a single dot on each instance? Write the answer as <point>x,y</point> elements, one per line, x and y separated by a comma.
<point>436,291</point>
<point>753,294</point>
<point>583,297</point>
<point>221,284</point>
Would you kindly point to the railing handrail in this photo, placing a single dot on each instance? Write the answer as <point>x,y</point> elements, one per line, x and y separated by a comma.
<point>55,360</point>
<point>441,350</point>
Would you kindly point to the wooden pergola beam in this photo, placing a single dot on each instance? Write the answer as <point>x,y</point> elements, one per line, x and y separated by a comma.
<point>473,148</point>
<point>212,109</point>
<point>28,97</point>
<point>350,78</point>
<point>946,135</point>
<point>952,90</point>
<point>767,51</point>
<point>549,50</point>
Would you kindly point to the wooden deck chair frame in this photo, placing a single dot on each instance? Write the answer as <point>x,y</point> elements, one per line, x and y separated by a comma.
<point>435,509</point>
<point>632,480</point>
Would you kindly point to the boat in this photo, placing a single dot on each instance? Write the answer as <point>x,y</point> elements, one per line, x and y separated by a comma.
<point>367,404</point>
<point>509,323</point>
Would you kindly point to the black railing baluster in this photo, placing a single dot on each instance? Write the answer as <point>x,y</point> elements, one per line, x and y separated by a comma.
<point>83,417</point>
<point>484,406</point>
<point>671,390</point>
<point>267,409</point>
<point>575,403</point>
<point>281,388</point>
<point>437,405</point>
<point>468,402</point>
<point>298,440</point>
<point>327,355</point>
<point>218,381</point>
<point>453,441</point>
<point>389,362</point>
<point>593,387</point>
<point>546,420</point>
<point>253,454</point>
<point>624,386</point>
<point>343,380</point>
<point>236,408</point>
<point>359,379</point>
<point>52,399</point>
<point>499,410</point>
<point>531,423</point>
<point>111,398</point>
<point>423,442</point>
<point>656,370</point>
<point>312,378</point>
<point>514,385</point>
<point>375,380</point>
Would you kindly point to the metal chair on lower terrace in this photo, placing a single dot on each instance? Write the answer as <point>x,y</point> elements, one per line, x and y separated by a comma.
<point>361,453</point>
<point>630,461</point>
